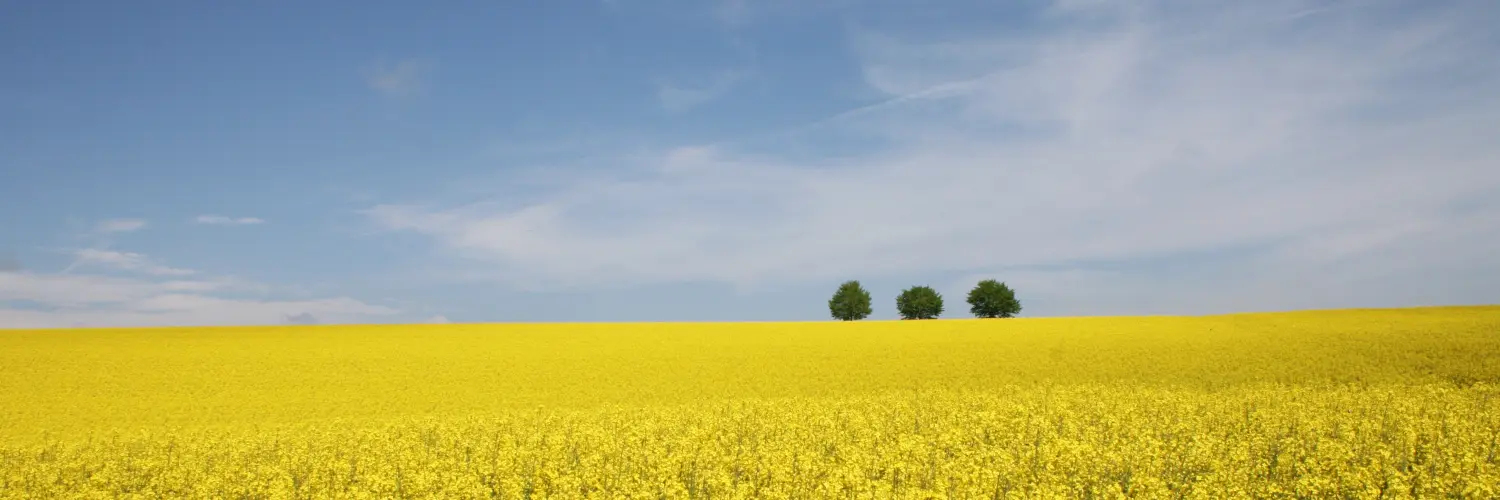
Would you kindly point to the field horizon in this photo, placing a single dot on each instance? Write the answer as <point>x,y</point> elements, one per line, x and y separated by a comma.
<point>1495,305</point>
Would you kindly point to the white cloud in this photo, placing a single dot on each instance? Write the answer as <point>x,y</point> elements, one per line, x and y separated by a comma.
<point>228,221</point>
<point>436,319</point>
<point>679,97</point>
<point>126,261</point>
<point>158,295</point>
<point>121,225</point>
<point>1439,263</point>
<point>66,290</point>
<point>399,78</point>
<point>1318,144</point>
<point>101,301</point>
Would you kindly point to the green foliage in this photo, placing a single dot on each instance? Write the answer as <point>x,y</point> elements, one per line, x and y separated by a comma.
<point>919,302</point>
<point>851,302</point>
<point>992,299</point>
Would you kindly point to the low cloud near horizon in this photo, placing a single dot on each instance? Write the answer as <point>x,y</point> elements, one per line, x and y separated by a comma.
<point>102,287</point>
<point>92,300</point>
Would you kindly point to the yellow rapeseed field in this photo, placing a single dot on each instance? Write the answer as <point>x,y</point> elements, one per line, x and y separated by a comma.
<point>1326,404</point>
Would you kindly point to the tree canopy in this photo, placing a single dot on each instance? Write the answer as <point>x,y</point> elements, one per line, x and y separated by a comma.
<point>850,302</point>
<point>992,299</point>
<point>919,302</point>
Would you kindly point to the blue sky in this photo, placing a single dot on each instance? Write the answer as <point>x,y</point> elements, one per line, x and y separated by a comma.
<point>185,163</point>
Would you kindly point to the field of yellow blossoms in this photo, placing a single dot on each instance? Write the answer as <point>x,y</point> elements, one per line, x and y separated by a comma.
<point>1398,403</point>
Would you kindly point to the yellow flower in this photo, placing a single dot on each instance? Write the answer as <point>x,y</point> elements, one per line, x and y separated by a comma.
<point>1359,404</point>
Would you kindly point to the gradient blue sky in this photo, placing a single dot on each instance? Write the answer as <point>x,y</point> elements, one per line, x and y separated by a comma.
<point>178,163</point>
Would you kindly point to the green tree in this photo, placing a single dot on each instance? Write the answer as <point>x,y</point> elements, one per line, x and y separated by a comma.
<point>992,299</point>
<point>851,302</point>
<point>919,302</point>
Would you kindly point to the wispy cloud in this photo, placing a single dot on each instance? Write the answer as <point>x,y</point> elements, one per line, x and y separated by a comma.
<point>121,225</point>
<point>92,300</point>
<point>126,261</point>
<point>228,221</point>
<point>681,97</point>
<point>73,291</point>
<point>397,78</point>
<point>743,13</point>
<point>1114,133</point>
<point>103,287</point>
<point>732,12</point>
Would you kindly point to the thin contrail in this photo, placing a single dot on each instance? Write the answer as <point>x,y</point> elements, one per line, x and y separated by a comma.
<point>945,89</point>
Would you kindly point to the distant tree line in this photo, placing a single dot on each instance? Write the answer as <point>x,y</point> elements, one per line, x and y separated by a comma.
<point>988,299</point>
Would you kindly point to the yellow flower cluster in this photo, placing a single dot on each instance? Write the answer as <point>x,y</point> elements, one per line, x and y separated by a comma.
<point>1327,404</point>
